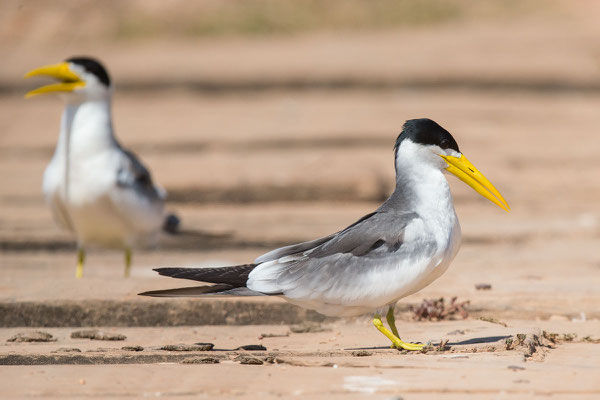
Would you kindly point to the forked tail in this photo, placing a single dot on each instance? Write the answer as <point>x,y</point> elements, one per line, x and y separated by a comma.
<point>228,281</point>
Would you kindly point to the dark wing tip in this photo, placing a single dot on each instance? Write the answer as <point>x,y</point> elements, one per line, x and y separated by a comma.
<point>191,291</point>
<point>169,271</point>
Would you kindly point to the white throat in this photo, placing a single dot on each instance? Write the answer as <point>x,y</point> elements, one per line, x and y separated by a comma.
<point>86,128</point>
<point>421,187</point>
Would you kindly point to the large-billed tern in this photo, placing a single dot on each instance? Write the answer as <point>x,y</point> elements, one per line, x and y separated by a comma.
<point>95,188</point>
<point>389,254</point>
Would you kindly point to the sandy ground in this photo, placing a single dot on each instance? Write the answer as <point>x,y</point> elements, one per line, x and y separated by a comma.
<point>249,171</point>
<point>345,360</point>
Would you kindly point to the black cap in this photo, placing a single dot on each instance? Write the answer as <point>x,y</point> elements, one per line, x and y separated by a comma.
<point>427,132</point>
<point>92,66</point>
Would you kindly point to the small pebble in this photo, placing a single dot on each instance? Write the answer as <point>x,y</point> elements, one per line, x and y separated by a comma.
<point>188,347</point>
<point>362,353</point>
<point>132,348</point>
<point>95,334</point>
<point>201,360</point>
<point>249,360</point>
<point>37,336</point>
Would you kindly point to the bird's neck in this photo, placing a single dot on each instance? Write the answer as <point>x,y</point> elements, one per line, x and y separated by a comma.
<point>86,128</point>
<point>423,189</point>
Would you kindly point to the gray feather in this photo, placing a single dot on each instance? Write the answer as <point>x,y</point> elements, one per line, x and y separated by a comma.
<point>201,291</point>
<point>133,174</point>
<point>359,238</point>
<point>340,264</point>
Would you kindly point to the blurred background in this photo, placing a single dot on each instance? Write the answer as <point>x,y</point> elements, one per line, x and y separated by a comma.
<point>271,122</point>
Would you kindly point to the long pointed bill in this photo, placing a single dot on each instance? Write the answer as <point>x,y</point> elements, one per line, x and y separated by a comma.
<point>466,172</point>
<point>62,72</point>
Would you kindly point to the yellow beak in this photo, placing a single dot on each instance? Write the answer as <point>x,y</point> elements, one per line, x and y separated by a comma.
<point>61,71</point>
<point>466,172</point>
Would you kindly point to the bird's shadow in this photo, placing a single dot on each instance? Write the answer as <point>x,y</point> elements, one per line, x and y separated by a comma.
<point>487,339</point>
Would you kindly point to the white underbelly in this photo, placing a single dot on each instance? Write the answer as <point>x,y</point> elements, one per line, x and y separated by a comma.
<point>395,282</point>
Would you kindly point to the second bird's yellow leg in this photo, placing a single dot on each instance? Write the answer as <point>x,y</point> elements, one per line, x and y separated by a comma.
<point>396,341</point>
<point>127,262</point>
<point>80,261</point>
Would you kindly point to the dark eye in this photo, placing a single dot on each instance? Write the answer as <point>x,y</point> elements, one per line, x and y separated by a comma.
<point>444,144</point>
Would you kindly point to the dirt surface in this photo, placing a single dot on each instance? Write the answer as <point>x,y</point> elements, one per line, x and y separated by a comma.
<point>350,359</point>
<point>267,141</point>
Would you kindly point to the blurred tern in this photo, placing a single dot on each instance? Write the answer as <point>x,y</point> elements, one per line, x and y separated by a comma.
<point>388,254</point>
<point>95,188</point>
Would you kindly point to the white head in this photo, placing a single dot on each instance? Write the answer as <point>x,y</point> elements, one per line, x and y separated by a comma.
<point>425,144</point>
<point>80,79</point>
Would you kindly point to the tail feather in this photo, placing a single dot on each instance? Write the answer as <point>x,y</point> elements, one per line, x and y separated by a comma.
<point>228,281</point>
<point>199,291</point>
<point>235,276</point>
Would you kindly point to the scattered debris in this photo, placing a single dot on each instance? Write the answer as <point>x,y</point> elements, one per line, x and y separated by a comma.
<point>201,360</point>
<point>483,286</point>
<point>516,368</point>
<point>188,347</point>
<point>529,344</point>
<point>67,350</point>
<point>362,353</point>
<point>247,360</point>
<point>493,321</point>
<point>509,344</point>
<point>95,334</point>
<point>307,327</point>
<point>272,335</point>
<point>252,347</point>
<point>132,348</point>
<point>456,332</point>
<point>590,339</point>
<point>271,358</point>
<point>37,336</point>
<point>440,347</point>
<point>437,310</point>
<point>443,345</point>
<point>555,338</point>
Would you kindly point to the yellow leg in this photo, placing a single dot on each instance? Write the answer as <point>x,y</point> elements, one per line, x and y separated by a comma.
<point>391,320</point>
<point>127,262</point>
<point>396,341</point>
<point>80,261</point>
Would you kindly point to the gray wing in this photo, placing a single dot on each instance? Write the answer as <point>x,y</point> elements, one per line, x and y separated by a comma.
<point>304,246</point>
<point>133,174</point>
<point>347,265</point>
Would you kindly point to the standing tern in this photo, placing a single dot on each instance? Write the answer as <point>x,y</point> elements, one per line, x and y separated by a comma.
<point>95,188</point>
<point>386,255</point>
